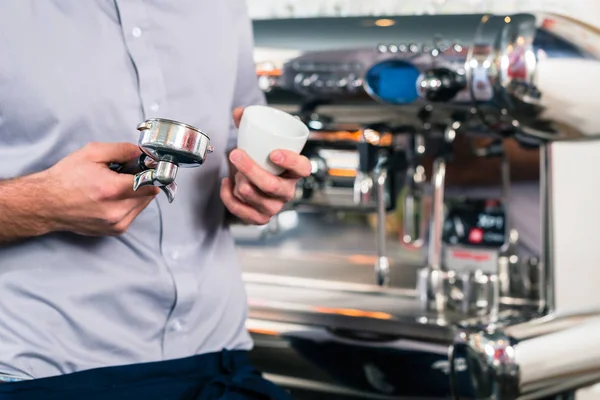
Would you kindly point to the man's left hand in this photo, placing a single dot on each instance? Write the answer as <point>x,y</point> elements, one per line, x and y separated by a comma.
<point>254,195</point>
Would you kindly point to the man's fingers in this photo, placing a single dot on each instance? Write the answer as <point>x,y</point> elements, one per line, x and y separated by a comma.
<point>140,206</point>
<point>266,182</point>
<point>296,165</point>
<point>144,191</point>
<point>247,193</point>
<point>136,206</point>
<point>243,211</point>
<point>120,186</point>
<point>106,153</point>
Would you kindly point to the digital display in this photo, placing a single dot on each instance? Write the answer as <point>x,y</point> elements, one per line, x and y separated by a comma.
<point>394,82</point>
<point>476,223</point>
<point>399,84</point>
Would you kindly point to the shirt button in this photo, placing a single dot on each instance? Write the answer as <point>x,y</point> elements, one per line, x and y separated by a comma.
<point>175,255</point>
<point>154,107</point>
<point>176,326</point>
<point>136,32</point>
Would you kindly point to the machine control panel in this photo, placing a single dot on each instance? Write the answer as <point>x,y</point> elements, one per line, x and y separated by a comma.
<point>473,235</point>
<point>438,48</point>
<point>440,72</point>
<point>440,84</point>
<point>327,77</point>
<point>476,223</point>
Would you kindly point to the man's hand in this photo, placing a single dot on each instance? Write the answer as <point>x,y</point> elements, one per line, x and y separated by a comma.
<point>87,198</point>
<point>255,195</point>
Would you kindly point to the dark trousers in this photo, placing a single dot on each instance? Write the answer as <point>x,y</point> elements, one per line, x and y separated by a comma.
<point>227,375</point>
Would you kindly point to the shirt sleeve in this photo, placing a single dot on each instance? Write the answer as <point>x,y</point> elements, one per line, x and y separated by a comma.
<point>247,91</point>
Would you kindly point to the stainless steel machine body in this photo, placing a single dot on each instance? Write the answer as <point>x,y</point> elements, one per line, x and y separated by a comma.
<point>506,329</point>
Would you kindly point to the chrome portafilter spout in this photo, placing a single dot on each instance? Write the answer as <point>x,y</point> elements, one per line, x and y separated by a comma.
<point>167,146</point>
<point>163,176</point>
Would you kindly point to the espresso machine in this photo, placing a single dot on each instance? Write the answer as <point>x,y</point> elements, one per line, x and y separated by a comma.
<point>473,319</point>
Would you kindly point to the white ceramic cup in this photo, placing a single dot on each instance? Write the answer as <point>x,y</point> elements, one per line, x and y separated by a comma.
<point>264,129</point>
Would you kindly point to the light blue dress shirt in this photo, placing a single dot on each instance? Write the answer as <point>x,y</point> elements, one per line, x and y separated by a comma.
<point>72,72</point>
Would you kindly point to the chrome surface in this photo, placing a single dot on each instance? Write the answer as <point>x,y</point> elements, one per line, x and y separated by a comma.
<point>434,286</point>
<point>547,298</point>
<point>163,139</point>
<point>169,145</point>
<point>513,363</point>
<point>319,360</point>
<point>435,291</point>
<point>537,66</point>
<point>437,217</point>
<point>309,324</point>
<point>441,84</point>
<point>480,294</point>
<point>382,266</point>
<point>414,203</point>
<point>363,188</point>
<point>510,328</point>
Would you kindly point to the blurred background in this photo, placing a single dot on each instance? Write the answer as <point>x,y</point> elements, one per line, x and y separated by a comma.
<point>585,10</point>
<point>386,87</point>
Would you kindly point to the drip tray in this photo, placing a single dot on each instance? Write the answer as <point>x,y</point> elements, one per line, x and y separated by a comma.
<point>338,248</point>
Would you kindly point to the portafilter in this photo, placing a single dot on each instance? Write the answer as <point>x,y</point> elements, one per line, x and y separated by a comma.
<point>166,146</point>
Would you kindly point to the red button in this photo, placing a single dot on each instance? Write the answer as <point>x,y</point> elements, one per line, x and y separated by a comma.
<point>491,203</point>
<point>476,235</point>
<point>548,23</point>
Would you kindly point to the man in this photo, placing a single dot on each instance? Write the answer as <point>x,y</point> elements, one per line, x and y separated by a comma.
<point>98,283</point>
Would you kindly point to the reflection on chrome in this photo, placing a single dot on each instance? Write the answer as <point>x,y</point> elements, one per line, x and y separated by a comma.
<point>347,294</point>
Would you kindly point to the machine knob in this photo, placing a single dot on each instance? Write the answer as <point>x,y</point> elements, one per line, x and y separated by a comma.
<point>440,84</point>
<point>306,187</point>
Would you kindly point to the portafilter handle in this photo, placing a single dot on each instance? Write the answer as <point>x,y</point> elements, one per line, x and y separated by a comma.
<point>134,166</point>
<point>144,168</point>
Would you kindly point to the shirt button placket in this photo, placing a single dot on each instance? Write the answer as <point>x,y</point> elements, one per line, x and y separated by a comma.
<point>135,23</point>
<point>185,284</point>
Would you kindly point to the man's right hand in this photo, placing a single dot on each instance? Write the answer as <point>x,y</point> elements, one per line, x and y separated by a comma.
<point>87,198</point>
